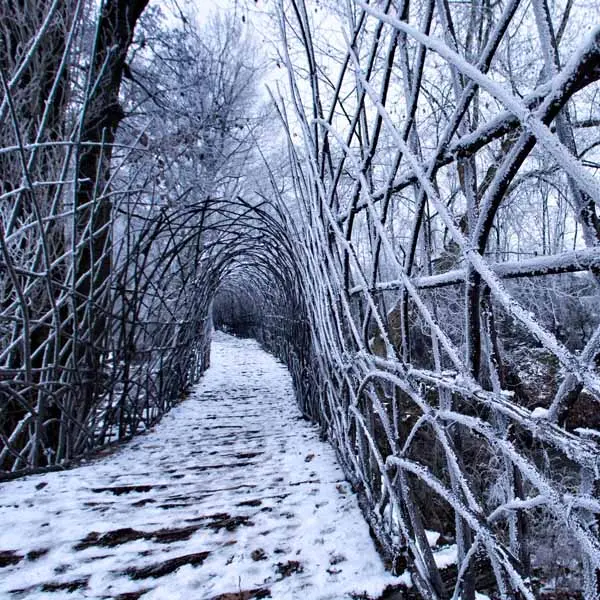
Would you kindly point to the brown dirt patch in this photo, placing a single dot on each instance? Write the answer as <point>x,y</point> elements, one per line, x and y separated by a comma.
<point>245,595</point>
<point>117,537</point>
<point>119,490</point>
<point>289,568</point>
<point>9,557</point>
<point>166,567</point>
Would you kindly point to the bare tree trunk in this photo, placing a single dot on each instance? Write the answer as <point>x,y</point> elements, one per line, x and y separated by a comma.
<point>101,116</point>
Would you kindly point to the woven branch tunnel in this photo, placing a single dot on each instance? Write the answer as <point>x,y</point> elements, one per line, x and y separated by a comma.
<point>426,262</point>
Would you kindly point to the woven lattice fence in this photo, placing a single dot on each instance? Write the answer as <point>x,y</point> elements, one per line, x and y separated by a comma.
<point>444,166</point>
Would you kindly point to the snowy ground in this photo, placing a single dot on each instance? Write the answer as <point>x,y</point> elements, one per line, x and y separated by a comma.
<point>231,496</point>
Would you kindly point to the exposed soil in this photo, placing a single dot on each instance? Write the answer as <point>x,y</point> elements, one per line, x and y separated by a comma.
<point>9,557</point>
<point>68,586</point>
<point>231,523</point>
<point>289,568</point>
<point>245,595</point>
<point>168,566</point>
<point>126,489</point>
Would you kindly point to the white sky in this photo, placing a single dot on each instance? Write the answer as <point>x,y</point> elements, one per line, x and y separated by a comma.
<point>204,7</point>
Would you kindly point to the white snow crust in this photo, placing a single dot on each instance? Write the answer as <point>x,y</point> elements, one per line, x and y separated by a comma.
<point>237,448</point>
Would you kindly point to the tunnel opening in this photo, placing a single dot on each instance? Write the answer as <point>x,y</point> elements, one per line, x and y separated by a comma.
<point>259,294</point>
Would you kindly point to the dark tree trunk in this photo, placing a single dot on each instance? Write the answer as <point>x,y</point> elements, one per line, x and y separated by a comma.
<point>102,116</point>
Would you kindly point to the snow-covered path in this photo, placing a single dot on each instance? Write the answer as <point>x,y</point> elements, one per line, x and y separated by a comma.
<point>231,496</point>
